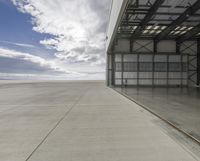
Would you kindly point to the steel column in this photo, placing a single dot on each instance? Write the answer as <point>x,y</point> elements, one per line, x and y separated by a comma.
<point>155,45</point>
<point>198,61</point>
<point>108,70</point>
<point>167,70</point>
<point>181,62</point>
<point>138,67</point>
<point>122,69</point>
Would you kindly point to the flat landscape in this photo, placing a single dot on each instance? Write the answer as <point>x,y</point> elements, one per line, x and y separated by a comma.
<point>79,121</point>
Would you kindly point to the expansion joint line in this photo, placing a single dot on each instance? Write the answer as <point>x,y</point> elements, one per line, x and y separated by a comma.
<point>160,117</point>
<point>55,126</point>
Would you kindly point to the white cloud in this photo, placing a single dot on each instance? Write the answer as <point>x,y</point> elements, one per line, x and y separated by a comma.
<point>49,64</point>
<point>19,44</point>
<point>77,26</point>
<point>60,69</point>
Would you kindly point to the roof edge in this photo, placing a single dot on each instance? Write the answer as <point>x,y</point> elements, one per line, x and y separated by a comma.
<point>117,9</point>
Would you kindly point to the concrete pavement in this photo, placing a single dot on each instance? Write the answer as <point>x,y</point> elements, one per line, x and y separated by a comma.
<point>179,106</point>
<point>79,121</point>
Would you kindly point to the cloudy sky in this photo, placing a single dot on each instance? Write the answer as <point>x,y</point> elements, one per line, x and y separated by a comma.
<point>53,39</point>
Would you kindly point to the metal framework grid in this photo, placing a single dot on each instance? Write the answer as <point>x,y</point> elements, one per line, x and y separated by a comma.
<point>157,20</point>
<point>150,70</point>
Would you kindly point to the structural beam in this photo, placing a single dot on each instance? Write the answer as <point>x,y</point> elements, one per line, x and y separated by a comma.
<point>113,69</point>
<point>131,45</point>
<point>112,83</point>
<point>178,47</point>
<point>162,6</point>
<point>193,32</point>
<point>198,62</point>
<point>155,51</point>
<point>147,18</point>
<point>145,52</point>
<point>157,13</point>
<point>157,20</point>
<point>184,16</point>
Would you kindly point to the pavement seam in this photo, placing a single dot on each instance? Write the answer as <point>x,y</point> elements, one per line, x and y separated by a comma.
<point>164,120</point>
<point>55,126</point>
<point>157,115</point>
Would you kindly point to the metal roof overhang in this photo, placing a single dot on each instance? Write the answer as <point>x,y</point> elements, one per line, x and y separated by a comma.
<point>116,13</point>
<point>154,19</point>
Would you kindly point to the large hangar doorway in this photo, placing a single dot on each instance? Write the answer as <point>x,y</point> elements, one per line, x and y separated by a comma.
<point>144,68</point>
<point>153,57</point>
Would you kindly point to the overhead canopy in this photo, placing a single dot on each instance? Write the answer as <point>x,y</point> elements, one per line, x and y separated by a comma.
<point>160,20</point>
<point>116,13</point>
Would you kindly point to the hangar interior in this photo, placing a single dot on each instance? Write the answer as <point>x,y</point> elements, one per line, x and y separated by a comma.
<point>153,57</point>
<point>156,44</point>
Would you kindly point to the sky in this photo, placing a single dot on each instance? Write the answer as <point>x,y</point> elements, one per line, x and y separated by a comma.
<point>53,39</point>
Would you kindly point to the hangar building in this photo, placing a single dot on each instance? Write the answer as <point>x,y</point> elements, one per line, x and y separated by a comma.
<point>154,43</point>
<point>153,58</point>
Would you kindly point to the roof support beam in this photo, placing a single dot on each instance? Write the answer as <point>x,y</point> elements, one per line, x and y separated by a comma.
<point>184,16</point>
<point>162,6</point>
<point>158,20</point>
<point>189,34</point>
<point>157,13</point>
<point>147,18</point>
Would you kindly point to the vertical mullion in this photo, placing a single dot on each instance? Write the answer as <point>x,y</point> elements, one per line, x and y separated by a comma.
<point>138,66</point>
<point>168,70</point>
<point>198,62</point>
<point>188,69</point>
<point>181,70</point>
<point>113,68</point>
<point>155,43</point>
<point>122,69</point>
<point>181,61</point>
<point>108,70</point>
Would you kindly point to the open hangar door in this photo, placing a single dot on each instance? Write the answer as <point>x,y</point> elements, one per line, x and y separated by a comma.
<point>165,68</point>
<point>156,44</point>
<point>153,58</point>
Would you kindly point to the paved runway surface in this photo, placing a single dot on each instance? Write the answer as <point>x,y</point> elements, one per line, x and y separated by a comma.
<point>79,121</point>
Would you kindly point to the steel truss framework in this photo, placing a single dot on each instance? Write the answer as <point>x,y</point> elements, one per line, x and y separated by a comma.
<point>157,21</point>
<point>193,69</point>
<point>160,21</point>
